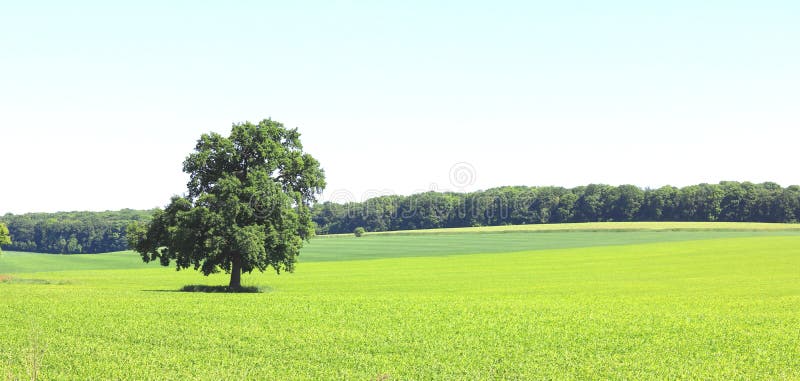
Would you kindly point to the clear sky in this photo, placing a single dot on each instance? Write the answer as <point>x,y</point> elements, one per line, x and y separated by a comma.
<point>100,102</point>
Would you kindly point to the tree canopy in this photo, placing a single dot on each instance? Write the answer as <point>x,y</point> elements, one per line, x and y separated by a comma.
<point>247,205</point>
<point>726,201</point>
<point>97,232</point>
<point>5,238</point>
<point>71,232</point>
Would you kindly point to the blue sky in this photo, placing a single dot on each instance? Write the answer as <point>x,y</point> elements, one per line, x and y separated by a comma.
<point>100,102</point>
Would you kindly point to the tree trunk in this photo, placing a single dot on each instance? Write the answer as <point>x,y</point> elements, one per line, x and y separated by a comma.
<point>236,273</point>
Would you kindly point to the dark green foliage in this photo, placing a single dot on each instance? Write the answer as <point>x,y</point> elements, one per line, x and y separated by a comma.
<point>71,232</point>
<point>5,238</point>
<point>95,232</point>
<point>359,231</point>
<point>247,206</point>
<point>727,201</point>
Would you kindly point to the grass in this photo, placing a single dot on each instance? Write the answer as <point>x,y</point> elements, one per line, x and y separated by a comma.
<point>424,244</point>
<point>380,246</point>
<point>17,262</point>
<point>721,307</point>
<point>10,279</point>
<point>609,226</point>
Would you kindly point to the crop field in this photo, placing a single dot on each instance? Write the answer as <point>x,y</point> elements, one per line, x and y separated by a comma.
<point>708,301</point>
<point>615,226</point>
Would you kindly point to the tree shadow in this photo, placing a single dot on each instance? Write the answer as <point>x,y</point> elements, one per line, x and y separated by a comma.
<point>221,289</point>
<point>202,288</point>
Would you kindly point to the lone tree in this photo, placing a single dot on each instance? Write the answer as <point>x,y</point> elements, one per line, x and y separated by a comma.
<point>247,205</point>
<point>5,239</point>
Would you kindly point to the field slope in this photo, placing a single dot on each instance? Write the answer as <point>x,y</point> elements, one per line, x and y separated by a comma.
<point>668,306</point>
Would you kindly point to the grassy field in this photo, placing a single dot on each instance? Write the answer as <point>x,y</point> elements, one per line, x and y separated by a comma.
<point>423,244</point>
<point>612,226</point>
<point>591,304</point>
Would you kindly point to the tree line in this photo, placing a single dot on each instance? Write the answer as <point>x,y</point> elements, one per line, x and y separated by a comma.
<point>71,232</point>
<point>726,201</point>
<point>98,232</point>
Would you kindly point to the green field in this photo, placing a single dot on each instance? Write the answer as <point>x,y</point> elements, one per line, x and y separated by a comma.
<point>601,302</point>
<point>615,226</point>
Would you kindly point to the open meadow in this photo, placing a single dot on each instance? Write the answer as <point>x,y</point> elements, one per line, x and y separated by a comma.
<point>597,301</point>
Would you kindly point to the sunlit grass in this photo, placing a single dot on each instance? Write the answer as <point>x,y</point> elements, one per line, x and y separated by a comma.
<point>725,308</point>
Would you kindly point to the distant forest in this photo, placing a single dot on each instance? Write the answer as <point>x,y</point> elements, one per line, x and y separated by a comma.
<point>97,232</point>
<point>726,201</point>
<point>71,232</point>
